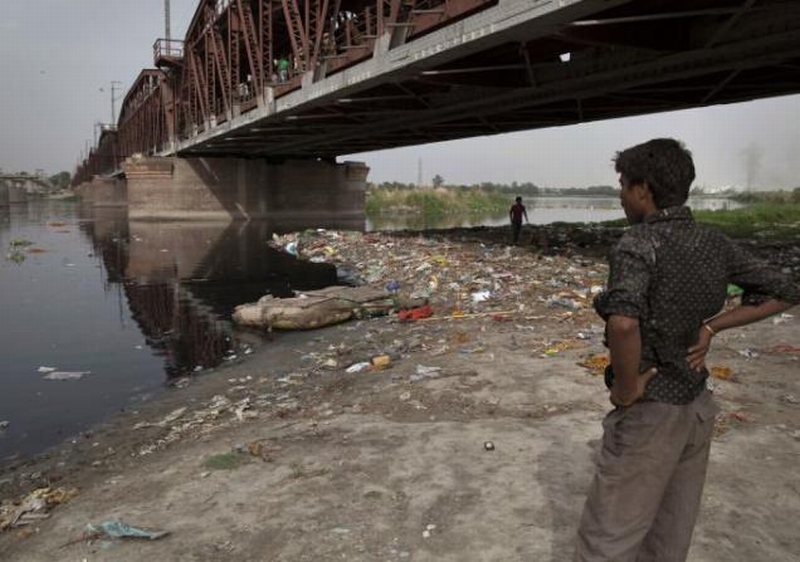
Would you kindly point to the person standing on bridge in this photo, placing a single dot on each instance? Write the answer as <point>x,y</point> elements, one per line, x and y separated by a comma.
<point>667,284</point>
<point>515,214</point>
<point>283,69</point>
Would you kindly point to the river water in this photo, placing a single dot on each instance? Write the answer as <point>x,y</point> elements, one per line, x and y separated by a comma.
<point>541,210</point>
<point>124,309</point>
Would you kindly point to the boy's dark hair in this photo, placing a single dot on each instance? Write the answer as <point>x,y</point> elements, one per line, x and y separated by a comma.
<point>518,199</point>
<point>664,164</point>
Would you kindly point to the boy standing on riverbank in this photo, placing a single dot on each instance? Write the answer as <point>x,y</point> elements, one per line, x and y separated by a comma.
<point>667,283</point>
<point>515,213</point>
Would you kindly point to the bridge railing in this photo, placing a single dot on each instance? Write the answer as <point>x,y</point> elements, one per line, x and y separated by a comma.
<point>166,50</point>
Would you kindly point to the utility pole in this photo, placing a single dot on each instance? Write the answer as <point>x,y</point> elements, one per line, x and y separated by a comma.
<point>167,27</point>
<point>114,98</point>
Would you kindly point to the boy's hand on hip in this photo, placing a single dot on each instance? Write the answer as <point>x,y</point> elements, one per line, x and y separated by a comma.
<point>697,353</point>
<point>641,384</point>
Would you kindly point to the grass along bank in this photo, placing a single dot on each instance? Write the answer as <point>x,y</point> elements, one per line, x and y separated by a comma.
<point>763,219</point>
<point>434,203</point>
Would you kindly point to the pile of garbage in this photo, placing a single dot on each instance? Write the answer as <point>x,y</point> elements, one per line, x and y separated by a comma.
<point>34,507</point>
<point>456,278</point>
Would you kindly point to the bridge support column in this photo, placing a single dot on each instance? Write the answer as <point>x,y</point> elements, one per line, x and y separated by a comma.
<point>304,193</point>
<point>4,195</point>
<point>17,195</point>
<point>103,192</point>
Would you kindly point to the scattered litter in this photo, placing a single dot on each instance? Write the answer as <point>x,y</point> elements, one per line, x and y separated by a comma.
<point>749,353</point>
<point>4,424</point>
<point>570,304</point>
<point>405,396</point>
<point>381,362</point>
<point>481,296</point>
<point>66,375</point>
<point>425,372</point>
<point>172,417</point>
<point>412,314</point>
<point>34,507</point>
<point>790,399</point>
<point>722,373</point>
<point>357,367</point>
<point>47,369</point>
<point>596,363</point>
<point>559,347</point>
<point>315,309</point>
<point>741,417</point>
<point>782,318</point>
<point>785,348</point>
<point>120,530</point>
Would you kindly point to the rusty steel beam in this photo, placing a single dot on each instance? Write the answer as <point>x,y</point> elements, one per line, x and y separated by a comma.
<point>225,64</point>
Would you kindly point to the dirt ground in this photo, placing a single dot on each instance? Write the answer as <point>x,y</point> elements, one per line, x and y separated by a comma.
<point>289,457</point>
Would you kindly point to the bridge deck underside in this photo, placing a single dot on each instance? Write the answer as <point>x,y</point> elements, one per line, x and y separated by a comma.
<point>634,58</point>
<point>423,71</point>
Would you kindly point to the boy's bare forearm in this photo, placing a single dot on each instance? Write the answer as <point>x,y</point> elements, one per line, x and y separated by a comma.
<point>747,314</point>
<point>625,345</point>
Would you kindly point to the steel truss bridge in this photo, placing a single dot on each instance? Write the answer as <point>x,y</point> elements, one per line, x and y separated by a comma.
<point>288,79</point>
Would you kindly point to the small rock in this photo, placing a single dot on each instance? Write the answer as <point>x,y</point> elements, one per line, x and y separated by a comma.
<point>4,424</point>
<point>489,446</point>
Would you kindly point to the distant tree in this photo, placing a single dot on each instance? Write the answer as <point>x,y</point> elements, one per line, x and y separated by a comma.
<point>696,190</point>
<point>61,180</point>
<point>437,181</point>
<point>796,195</point>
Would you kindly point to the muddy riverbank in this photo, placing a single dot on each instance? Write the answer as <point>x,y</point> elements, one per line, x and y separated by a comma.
<point>305,453</point>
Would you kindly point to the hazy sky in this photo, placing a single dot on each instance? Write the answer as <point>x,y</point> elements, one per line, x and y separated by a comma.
<point>55,55</point>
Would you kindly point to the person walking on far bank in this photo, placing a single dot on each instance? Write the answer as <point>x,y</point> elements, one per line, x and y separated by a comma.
<point>515,213</point>
<point>667,285</point>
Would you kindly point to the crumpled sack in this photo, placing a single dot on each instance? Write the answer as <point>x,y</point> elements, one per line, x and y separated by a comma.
<point>120,530</point>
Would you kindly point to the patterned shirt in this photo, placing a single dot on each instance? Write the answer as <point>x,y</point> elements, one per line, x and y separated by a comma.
<point>672,273</point>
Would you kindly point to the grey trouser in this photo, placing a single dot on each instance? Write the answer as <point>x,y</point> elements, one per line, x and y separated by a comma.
<point>646,492</point>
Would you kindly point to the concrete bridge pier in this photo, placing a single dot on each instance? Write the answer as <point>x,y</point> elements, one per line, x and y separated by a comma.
<point>17,195</point>
<point>304,193</point>
<point>4,195</point>
<point>103,192</point>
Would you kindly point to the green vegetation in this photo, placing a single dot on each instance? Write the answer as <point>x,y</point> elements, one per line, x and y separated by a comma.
<point>765,220</point>
<point>60,180</point>
<point>435,203</point>
<point>768,215</point>
<point>224,461</point>
<point>16,250</point>
<point>781,196</point>
<point>769,220</point>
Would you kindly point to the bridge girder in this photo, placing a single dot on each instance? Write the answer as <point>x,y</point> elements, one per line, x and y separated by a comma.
<point>367,75</point>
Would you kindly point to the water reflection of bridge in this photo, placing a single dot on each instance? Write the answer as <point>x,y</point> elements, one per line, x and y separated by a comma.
<point>181,280</point>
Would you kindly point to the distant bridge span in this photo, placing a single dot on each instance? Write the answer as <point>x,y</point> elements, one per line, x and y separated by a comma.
<point>307,80</point>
